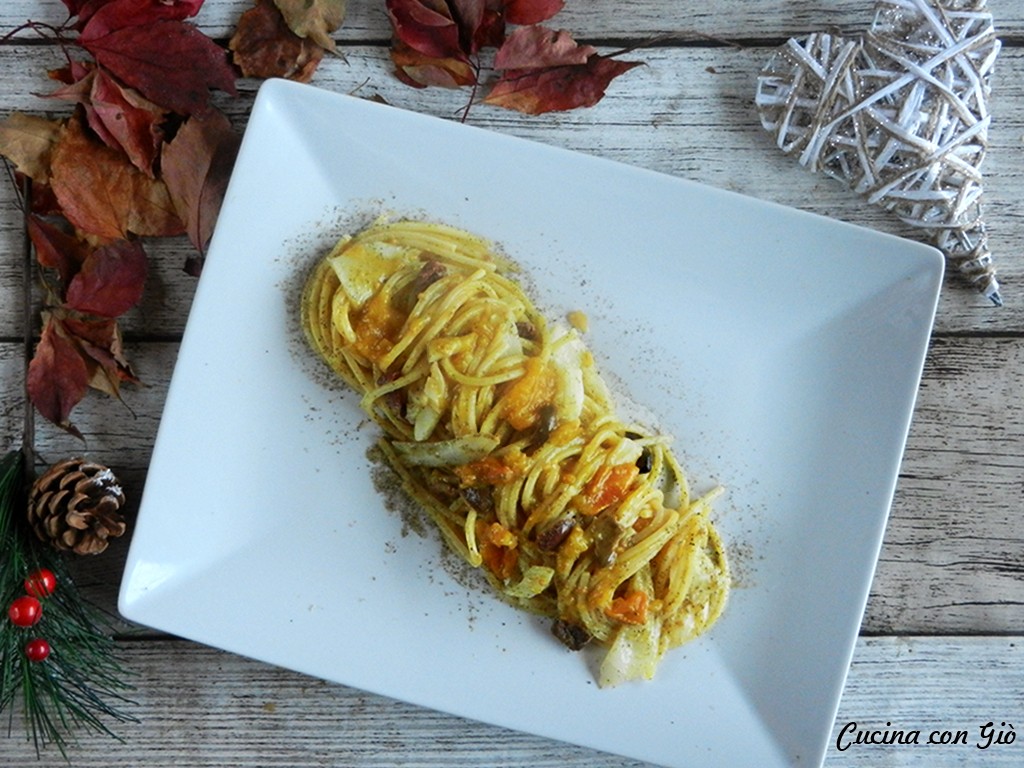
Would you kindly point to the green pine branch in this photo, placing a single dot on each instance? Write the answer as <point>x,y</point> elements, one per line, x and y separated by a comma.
<point>82,684</point>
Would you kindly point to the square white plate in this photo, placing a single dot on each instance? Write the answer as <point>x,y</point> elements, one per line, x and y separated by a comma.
<point>782,351</point>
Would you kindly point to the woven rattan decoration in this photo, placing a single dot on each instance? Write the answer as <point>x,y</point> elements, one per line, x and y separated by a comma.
<point>901,115</point>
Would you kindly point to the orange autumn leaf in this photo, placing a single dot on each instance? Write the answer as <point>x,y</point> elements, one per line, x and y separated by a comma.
<point>103,194</point>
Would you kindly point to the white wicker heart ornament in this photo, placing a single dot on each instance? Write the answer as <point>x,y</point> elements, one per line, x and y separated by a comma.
<point>899,114</point>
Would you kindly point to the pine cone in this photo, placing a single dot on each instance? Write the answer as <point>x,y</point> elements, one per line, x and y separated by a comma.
<point>74,507</point>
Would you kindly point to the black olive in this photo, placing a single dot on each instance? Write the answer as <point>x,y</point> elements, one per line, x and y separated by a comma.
<point>573,636</point>
<point>547,421</point>
<point>551,538</point>
<point>646,461</point>
<point>607,535</point>
<point>526,330</point>
<point>395,400</point>
<point>431,271</point>
<point>479,499</point>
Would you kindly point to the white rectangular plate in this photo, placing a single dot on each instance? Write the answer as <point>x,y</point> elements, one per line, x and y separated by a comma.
<point>781,350</point>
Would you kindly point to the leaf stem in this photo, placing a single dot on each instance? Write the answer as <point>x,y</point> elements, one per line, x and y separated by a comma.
<point>475,63</point>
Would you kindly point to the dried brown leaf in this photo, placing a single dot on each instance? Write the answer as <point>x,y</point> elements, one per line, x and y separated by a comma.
<point>264,46</point>
<point>28,141</point>
<point>196,167</point>
<point>538,46</point>
<point>314,19</point>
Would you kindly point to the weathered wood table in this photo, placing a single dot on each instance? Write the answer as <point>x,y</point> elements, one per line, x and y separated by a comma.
<point>941,643</point>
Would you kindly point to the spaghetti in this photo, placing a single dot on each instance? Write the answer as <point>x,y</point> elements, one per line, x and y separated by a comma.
<point>500,426</point>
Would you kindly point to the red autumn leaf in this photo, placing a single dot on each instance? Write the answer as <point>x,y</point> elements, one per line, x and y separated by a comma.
<point>481,23</point>
<point>120,116</point>
<point>75,352</point>
<point>103,194</point>
<point>43,201</point>
<point>78,78</point>
<point>538,46</point>
<point>55,248</point>
<point>469,16</point>
<point>558,88</point>
<point>131,119</point>
<point>100,344</point>
<point>428,27</point>
<point>57,376</point>
<point>170,62</point>
<point>419,71</point>
<point>196,167</point>
<point>491,33</point>
<point>106,17</point>
<point>74,72</point>
<point>264,46</point>
<point>531,11</point>
<point>77,81</point>
<point>110,281</point>
<point>75,7</point>
<point>82,10</point>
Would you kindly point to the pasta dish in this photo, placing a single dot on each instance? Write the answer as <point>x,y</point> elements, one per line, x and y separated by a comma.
<point>499,424</point>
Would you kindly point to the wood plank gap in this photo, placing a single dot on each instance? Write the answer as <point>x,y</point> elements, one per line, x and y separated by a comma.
<point>1007,334</point>
<point>152,338</point>
<point>147,635</point>
<point>28,326</point>
<point>912,635</point>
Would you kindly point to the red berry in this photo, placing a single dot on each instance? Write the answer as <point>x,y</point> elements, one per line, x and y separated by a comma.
<point>37,649</point>
<point>41,583</point>
<point>25,611</point>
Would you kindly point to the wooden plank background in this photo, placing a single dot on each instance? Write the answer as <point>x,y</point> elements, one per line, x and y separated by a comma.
<point>941,639</point>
